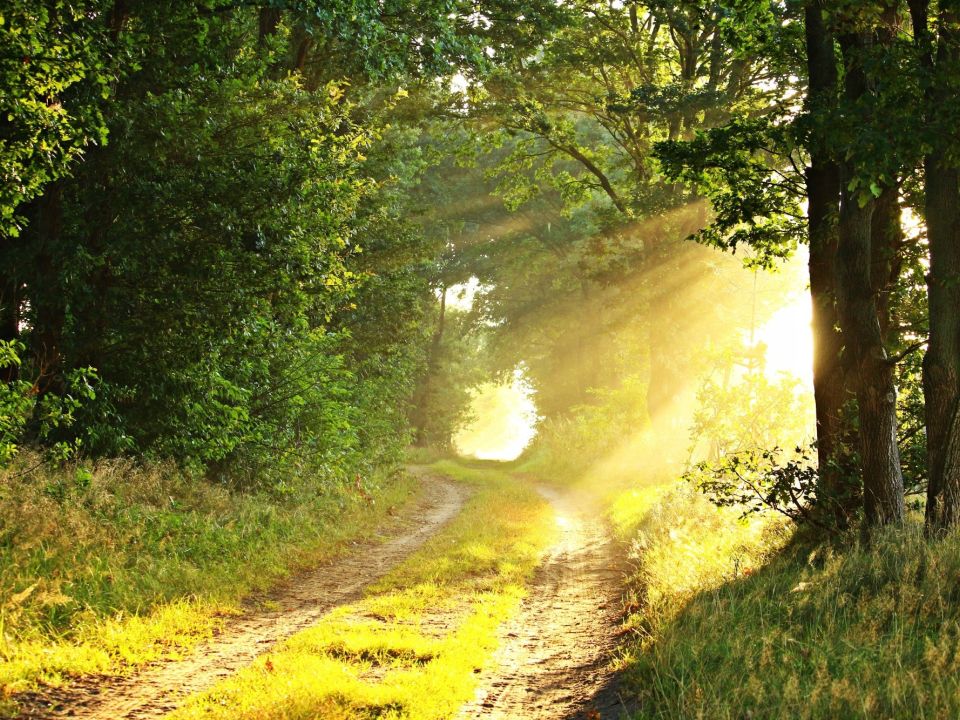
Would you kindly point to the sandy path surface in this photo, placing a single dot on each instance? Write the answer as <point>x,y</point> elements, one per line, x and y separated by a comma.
<point>295,605</point>
<point>554,658</point>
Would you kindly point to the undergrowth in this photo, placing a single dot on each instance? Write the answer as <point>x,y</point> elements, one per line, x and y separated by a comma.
<point>749,620</point>
<point>412,647</point>
<point>106,569</point>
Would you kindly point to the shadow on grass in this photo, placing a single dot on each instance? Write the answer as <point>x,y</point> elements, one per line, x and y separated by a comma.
<point>839,630</point>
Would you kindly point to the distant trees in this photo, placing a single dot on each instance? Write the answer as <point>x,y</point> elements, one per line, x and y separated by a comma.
<point>574,126</point>
<point>813,122</point>
<point>210,204</point>
<point>222,218</point>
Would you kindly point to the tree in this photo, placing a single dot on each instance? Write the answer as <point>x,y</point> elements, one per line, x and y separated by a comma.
<point>937,41</point>
<point>858,221</point>
<point>751,170</point>
<point>579,120</point>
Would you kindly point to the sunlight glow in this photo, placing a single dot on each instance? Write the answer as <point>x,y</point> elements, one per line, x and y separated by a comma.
<point>504,421</point>
<point>789,340</point>
<point>461,296</point>
<point>788,334</point>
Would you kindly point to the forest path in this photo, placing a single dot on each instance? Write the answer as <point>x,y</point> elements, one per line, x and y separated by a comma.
<point>294,605</point>
<point>554,661</point>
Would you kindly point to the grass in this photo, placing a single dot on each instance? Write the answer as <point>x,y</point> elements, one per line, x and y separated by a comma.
<point>413,646</point>
<point>103,571</point>
<point>747,620</point>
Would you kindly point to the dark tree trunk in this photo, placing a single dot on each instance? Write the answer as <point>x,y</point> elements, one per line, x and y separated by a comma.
<point>941,365</point>
<point>874,372</point>
<point>886,245</point>
<point>44,291</point>
<point>838,489</point>
<point>304,43</point>
<point>268,22</point>
<point>876,390</point>
<point>9,309</point>
<point>422,438</point>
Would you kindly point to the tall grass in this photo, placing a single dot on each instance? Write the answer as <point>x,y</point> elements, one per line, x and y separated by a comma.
<point>109,568</point>
<point>749,621</point>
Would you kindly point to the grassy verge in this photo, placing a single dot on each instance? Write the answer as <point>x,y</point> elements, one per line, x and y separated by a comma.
<point>106,570</point>
<point>412,647</point>
<point>745,621</point>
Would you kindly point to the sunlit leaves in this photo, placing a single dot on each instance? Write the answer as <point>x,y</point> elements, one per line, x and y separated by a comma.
<point>55,71</point>
<point>749,171</point>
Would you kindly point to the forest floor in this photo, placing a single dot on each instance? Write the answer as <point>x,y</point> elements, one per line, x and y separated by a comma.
<point>491,598</point>
<point>269,618</point>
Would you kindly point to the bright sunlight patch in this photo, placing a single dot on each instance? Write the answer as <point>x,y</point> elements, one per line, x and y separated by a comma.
<point>412,647</point>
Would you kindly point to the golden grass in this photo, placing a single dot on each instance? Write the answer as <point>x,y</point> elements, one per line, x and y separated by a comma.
<point>103,572</point>
<point>746,620</point>
<point>413,646</point>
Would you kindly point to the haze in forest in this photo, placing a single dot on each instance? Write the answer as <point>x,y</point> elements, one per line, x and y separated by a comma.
<point>464,358</point>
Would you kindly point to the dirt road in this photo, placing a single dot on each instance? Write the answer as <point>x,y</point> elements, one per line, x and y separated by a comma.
<point>554,658</point>
<point>296,605</point>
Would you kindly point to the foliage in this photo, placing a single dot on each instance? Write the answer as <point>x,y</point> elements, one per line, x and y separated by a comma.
<point>50,418</point>
<point>753,481</point>
<point>746,168</point>
<point>751,412</point>
<point>56,69</point>
<point>242,262</point>
<point>16,403</point>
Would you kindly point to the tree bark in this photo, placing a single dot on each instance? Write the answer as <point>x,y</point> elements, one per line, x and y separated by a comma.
<point>838,490</point>
<point>941,365</point>
<point>876,390</point>
<point>939,59</point>
<point>886,245</point>
<point>882,477</point>
<point>44,290</point>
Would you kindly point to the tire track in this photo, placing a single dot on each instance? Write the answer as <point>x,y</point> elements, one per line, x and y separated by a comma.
<point>299,603</point>
<point>554,658</point>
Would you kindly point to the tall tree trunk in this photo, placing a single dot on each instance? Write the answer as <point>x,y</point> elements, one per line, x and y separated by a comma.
<point>268,22</point>
<point>838,490</point>
<point>9,309</point>
<point>886,245</point>
<point>44,290</point>
<point>876,388</point>
<point>422,438</point>
<point>941,365</point>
